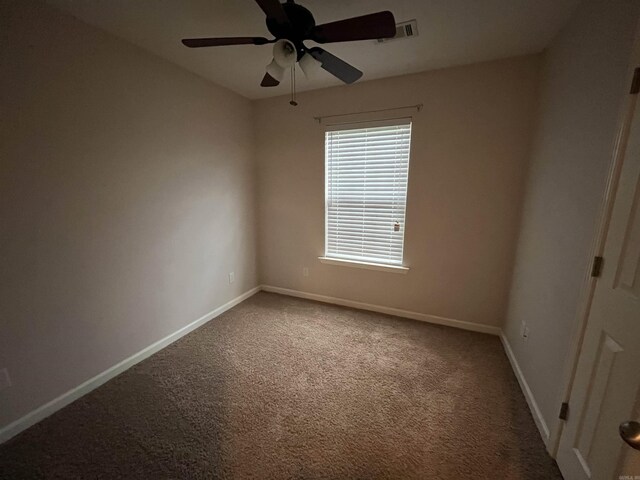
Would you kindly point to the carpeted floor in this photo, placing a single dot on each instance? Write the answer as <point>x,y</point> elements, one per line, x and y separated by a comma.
<point>280,387</point>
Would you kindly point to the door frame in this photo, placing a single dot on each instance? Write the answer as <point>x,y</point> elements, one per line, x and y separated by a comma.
<point>588,287</point>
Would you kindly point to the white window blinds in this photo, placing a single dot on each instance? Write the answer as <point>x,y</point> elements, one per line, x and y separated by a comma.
<point>366,192</point>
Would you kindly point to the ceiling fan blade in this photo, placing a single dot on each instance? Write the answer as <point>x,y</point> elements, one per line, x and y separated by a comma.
<point>336,67</point>
<point>269,81</point>
<point>223,41</point>
<point>273,10</point>
<point>366,27</point>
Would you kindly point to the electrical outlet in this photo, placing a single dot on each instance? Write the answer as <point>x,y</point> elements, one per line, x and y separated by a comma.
<point>523,327</point>
<point>525,334</point>
<point>5,381</point>
<point>305,271</point>
<point>232,277</point>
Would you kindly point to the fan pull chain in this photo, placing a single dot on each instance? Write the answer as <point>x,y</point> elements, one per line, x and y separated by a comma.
<point>293,86</point>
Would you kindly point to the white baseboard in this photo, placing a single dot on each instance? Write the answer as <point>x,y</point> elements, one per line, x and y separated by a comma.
<point>65,399</point>
<point>528,395</point>
<point>423,317</point>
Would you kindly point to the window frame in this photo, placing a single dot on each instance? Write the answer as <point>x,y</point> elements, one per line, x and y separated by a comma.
<point>364,263</point>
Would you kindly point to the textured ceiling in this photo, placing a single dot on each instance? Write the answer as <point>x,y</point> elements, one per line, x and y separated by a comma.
<point>451,32</point>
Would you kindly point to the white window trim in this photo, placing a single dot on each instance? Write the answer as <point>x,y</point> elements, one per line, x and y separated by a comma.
<point>333,127</point>
<point>365,265</point>
<point>369,122</point>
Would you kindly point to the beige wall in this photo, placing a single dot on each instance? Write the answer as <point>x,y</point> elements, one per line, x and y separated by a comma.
<point>127,197</point>
<point>469,149</point>
<point>583,83</point>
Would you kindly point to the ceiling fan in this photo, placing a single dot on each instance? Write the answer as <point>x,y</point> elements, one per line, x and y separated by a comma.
<point>291,25</point>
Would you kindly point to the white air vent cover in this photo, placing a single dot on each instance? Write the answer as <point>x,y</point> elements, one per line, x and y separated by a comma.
<point>403,30</point>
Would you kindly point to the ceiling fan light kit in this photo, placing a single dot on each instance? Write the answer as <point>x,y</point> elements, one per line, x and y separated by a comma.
<point>291,25</point>
<point>284,53</point>
<point>275,71</point>
<point>309,65</point>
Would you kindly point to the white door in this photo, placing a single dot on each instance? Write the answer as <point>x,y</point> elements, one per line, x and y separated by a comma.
<point>606,389</point>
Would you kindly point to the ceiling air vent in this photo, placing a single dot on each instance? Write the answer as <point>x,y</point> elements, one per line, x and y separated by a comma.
<point>403,30</point>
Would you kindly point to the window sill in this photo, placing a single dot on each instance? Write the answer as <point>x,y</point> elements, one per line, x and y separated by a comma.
<point>366,265</point>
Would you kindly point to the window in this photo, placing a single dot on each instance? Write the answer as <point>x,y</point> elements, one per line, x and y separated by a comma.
<point>367,169</point>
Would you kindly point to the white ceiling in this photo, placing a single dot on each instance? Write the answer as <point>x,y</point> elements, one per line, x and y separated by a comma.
<point>451,32</point>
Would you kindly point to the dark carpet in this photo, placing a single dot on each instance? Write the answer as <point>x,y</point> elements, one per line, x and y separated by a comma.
<point>280,387</point>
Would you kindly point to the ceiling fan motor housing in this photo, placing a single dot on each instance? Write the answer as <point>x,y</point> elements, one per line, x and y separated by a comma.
<point>301,23</point>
